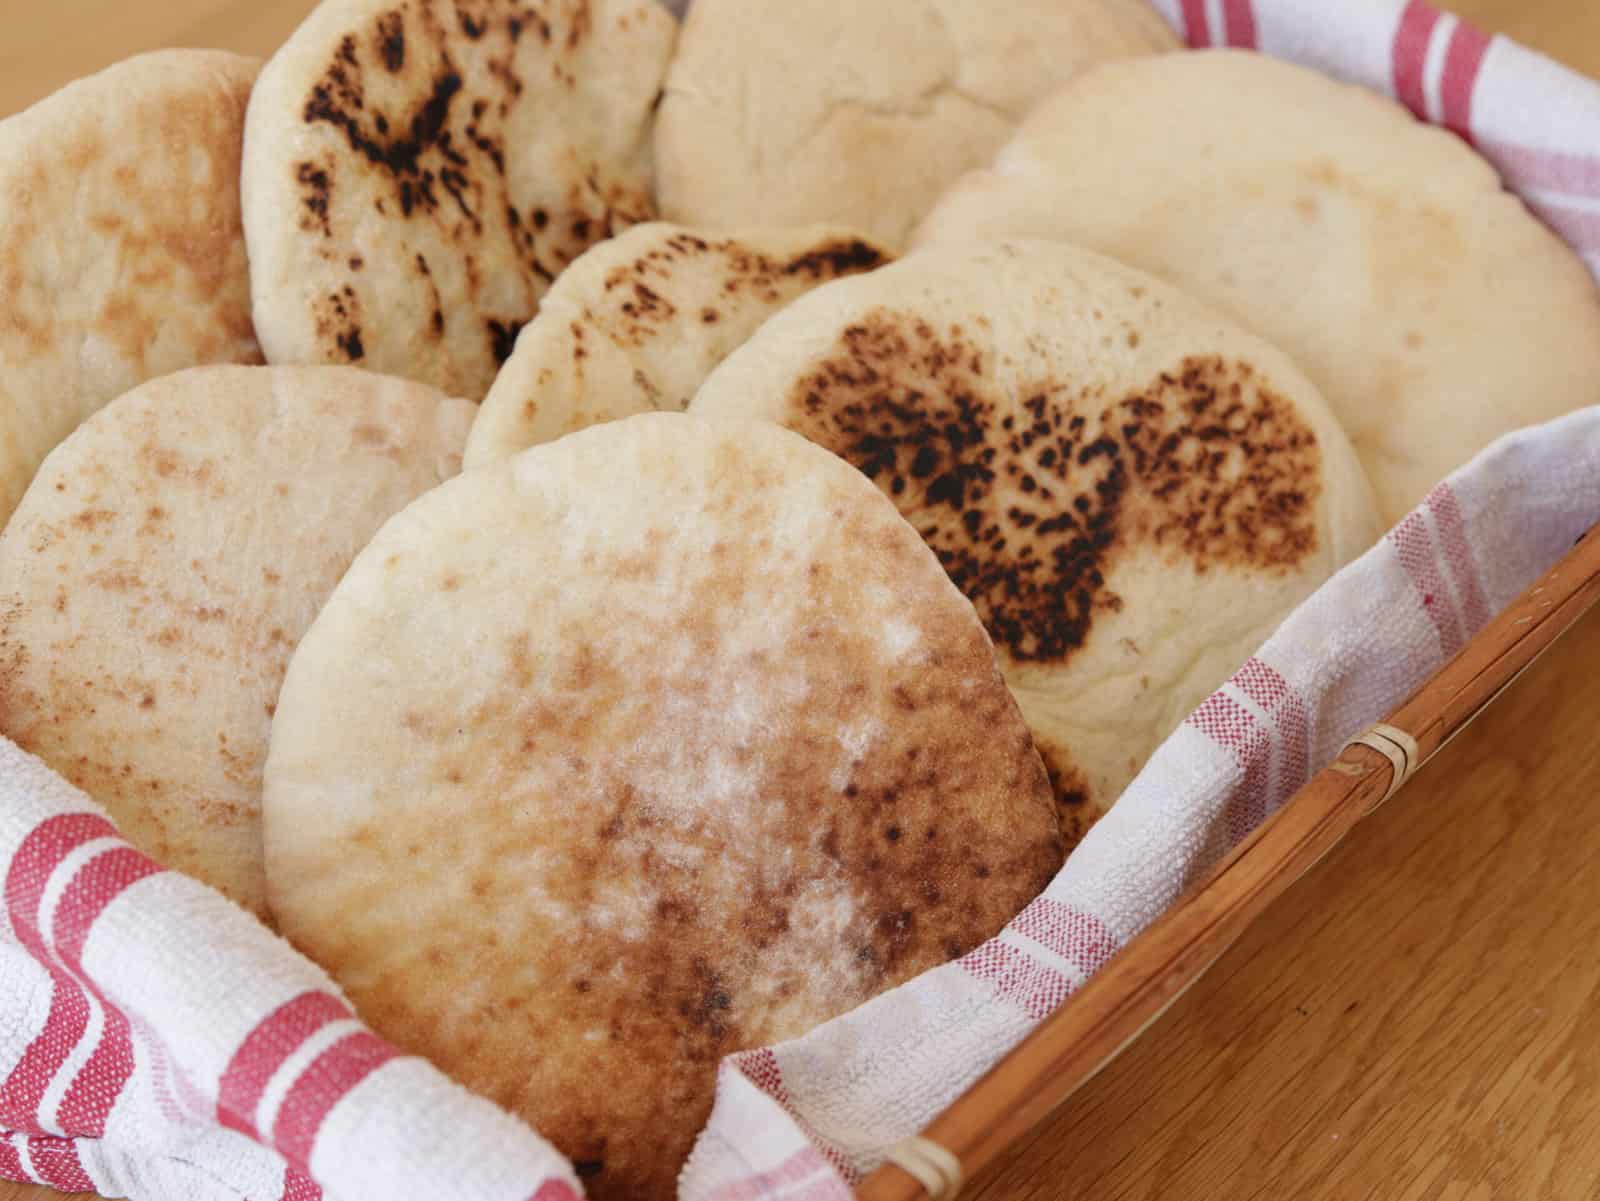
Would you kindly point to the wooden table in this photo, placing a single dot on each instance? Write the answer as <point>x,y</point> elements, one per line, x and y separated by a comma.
<point>1418,1020</point>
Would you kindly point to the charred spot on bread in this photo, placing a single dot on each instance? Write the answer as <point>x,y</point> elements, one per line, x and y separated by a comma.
<point>391,31</point>
<point>502,337</point>
<point>838,258</point>
<point>1029,506</point>
<point>639,289</point>
<point>416,107</point>
<point>315,190</point>
<point>338,319</point>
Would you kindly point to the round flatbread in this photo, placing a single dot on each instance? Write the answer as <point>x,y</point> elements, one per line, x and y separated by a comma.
<point>637,324</point>
<point>163,566</point>
<point>417,172</point>
<point>859,114</point>
<point>121,253</point>
<point>1432,310</point>
<point>1132,491</point>
<point>641,747</point>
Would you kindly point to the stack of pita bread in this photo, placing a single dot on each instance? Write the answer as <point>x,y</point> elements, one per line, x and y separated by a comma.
<point>798,608</point>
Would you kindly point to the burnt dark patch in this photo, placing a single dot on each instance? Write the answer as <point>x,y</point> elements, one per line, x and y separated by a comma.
<point>502,338</point>
<point>646,304</point>
<point>392,41</point>
<point>338,322</point>
<point>839,258</point>
<point>337,101</point>
<point>488,146</point>
<point>1029,506</point>
<point>460,190</point>
<point>350,345</point>
<point>316,191</point>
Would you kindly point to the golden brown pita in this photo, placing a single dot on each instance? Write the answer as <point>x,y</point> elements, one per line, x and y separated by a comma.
<point>163,566</point>
<point>661,741</point>
<point>1131,490</point>
<point>122,257</point>
<point>637,323</point>
<point>861,114</point>
<point>417,172</point>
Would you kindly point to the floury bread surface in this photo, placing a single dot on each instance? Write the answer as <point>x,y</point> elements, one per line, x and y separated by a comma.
<point>661,741</point>
<point>122,256</point>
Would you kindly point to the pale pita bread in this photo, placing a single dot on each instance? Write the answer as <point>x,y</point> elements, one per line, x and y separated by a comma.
<point>1131,490</point>
<point>661,741</point>
<point>637,323</point>
<point>861,114</point>
<point>1434,312</point>
<point>121,253</point>
<point>163,566</point>
<point>417,172</point>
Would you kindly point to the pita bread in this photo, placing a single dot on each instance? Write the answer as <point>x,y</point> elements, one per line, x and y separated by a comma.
<point>163,566</point>
<point>1132,491</point>
<point>1434,312</point>
<point>731,756</point>
<point>121,252</point>
<point>637,324</point>
<point>860,115</point>
<point>418,172</point>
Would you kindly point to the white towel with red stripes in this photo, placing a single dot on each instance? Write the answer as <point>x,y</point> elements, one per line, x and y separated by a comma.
<point>157,1043</point>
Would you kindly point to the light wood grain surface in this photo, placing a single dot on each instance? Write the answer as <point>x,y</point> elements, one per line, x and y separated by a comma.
<point>1419,1020</point>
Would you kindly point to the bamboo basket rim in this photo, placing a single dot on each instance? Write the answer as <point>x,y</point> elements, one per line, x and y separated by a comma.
<point>1128,995</point>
